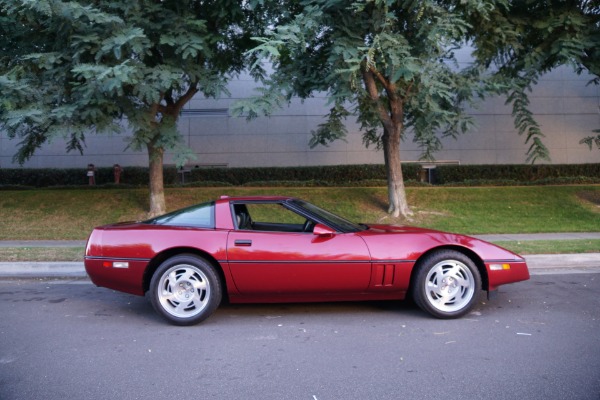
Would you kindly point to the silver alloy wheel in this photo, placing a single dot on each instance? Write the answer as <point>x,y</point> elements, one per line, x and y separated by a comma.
<point>183,291</point>
<point>449,286</point>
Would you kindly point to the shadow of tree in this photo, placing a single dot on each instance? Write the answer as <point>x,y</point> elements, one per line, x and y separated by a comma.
<point>590,196</point>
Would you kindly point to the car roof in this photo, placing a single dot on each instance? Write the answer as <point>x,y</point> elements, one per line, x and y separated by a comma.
<point>252,198</point>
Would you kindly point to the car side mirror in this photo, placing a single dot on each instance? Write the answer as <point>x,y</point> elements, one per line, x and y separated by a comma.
<point>323,231</point>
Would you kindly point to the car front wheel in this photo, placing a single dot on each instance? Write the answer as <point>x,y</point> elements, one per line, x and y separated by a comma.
<point>446,284</point>
<point>185,290</point>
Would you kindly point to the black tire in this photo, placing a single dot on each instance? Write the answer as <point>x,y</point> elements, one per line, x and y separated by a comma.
<point>446,284</point>
<point>185,290</point>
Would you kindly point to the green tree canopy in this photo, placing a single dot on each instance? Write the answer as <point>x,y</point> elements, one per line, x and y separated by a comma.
<point>530,38</point>
<point>71,68</point>
<point>390,63</point>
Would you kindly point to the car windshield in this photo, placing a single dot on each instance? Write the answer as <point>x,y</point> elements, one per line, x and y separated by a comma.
<point>200,215</point>
<point>338,222</point>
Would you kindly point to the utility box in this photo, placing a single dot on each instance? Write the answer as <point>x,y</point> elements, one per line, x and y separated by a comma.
<point>428,174</point>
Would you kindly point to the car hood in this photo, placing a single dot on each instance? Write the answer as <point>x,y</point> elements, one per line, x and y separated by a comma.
<point>398,242</point>
<point>386,229</point>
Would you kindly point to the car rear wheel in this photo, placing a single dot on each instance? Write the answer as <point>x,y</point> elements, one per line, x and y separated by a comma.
<point>446,284</point>
<point>185,290</point>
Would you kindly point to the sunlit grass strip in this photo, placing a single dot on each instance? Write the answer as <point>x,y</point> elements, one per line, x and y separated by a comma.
<point>34,254</point>
<point>553,246</point>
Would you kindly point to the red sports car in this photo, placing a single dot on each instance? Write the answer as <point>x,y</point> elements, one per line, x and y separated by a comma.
<point>282,249</point>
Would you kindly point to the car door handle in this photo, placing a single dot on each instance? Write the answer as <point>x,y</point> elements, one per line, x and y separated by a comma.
<point>243,242</point>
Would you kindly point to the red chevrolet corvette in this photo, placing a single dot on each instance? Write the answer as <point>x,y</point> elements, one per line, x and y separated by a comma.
<point>282,249</point>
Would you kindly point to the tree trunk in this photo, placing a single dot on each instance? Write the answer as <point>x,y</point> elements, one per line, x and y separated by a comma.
<point>157,187</point>
<point>391,115</point>
<point>396,191</point>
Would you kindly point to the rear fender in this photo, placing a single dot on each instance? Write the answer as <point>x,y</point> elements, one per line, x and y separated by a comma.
<point>153,265</point>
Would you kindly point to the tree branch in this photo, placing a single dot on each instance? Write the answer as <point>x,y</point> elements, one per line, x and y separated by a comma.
<point>188,95</point>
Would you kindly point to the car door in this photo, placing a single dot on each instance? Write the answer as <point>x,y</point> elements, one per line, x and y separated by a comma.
<point>275,259</point>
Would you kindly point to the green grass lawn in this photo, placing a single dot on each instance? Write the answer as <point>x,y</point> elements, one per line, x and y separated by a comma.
<point>514,209</point>
<point>18,254</point>
<point>70,214</point>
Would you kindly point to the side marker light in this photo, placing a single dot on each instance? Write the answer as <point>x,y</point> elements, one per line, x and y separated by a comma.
<point>499,267</point>
<point>116,264</point>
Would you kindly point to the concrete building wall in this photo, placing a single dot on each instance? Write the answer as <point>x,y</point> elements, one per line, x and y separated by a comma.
<point>565,106</point>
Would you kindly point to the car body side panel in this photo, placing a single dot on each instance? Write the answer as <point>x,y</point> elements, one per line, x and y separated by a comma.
<point>275,263</point>
<point>407,244</point>
<point>137,245</point>
<point>391,276</point>
<point>315,297</point>
<point>145,241</point>
<point>388,243</point>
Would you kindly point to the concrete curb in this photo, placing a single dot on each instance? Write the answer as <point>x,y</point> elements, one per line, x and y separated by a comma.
<point>539,264</point>
<point>544,264</point>
<point>57,269</point>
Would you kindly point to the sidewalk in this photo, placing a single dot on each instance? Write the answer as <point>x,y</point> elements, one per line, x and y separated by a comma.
<point>539,264</point>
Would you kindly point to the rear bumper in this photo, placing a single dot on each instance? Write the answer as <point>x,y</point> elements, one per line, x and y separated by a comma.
<point>128,280</point>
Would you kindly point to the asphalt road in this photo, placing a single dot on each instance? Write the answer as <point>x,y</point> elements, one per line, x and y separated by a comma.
<point>538,339</point>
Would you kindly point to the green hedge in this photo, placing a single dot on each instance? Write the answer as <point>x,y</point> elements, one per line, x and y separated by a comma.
<point>448,174</point>
<point>49,177</point>
<point>339,175</point>
<point>333,175</point>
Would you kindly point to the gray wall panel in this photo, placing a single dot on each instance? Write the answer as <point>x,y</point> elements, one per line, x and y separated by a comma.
<point>566,108</point>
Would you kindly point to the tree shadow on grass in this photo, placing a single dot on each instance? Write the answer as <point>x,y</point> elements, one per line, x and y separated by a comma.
<point>590,196</point>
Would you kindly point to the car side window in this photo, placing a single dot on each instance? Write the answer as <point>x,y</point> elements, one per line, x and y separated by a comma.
<point>201,216</point>
<point>272,217</point>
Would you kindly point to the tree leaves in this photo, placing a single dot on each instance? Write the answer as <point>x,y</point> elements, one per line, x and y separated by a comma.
<point>591,140</point>
<point>333,129</point>
<point>406,46</point>
<point>526,123</point>
<point>530,38</point>
<point>91,64</point>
